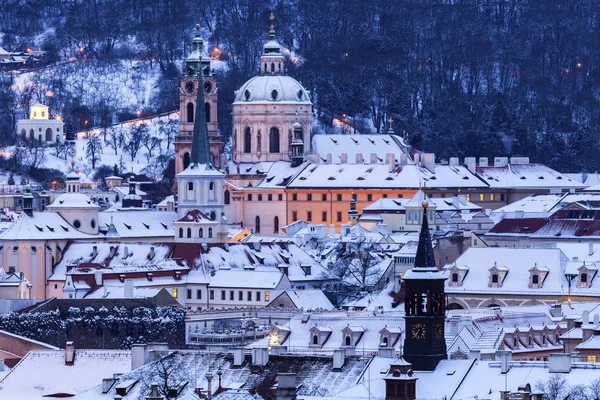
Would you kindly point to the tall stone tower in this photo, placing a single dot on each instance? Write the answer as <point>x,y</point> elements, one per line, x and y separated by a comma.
<point>424,305</point>
<point>197,76</point>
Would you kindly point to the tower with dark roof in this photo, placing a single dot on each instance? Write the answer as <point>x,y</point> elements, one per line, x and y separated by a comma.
<point>424,305</point>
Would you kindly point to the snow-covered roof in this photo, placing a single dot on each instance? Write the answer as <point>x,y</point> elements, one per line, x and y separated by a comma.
<point>166,201</point>
<point>43,373</point>
<point>335,145</point>
<point>124,191</point>
<point>526,176</point>
<point>73,200</point>
<point>379,176</point>
<point>246,279</point>
<point>139,224</point>
<point>518,261</point>
<point>42,226</point>
<point>260,90</point>
<point>311,299</point>
<point>336,322</point>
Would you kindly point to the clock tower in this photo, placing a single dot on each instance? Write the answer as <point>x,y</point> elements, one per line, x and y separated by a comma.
<point>424,305</point>
<point>197,76</point>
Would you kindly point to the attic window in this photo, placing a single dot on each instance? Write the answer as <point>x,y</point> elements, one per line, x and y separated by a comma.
<point>433,178</point>
<point>389,178</point>
<point>522,177</point>
<point>247,95</point>
<point>146,225</point>
<point>331,178</point>
<point>465,177</point>
<point>269,179</point>
<point>39,228</point>
<point>127,226</point>
<point>300,94</point>
<point>274,94</point>
<point>164,225</point>
<point>360,178</point>
<point>559,177</point>
<point>541,177</point>
<point>50,228</point>
<point>65,228</point>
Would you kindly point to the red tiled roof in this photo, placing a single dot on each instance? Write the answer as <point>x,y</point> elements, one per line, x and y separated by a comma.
<point>519,225</point>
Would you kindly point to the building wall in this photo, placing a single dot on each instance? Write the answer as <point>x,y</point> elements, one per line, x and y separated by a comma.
<point>260,118</point>
<point>49,130</point>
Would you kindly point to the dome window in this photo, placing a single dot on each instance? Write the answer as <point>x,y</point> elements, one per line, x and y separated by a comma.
<point>300,94</point>
<point>93,224</point>
<point>274,94</point>
<point>77,224</point>
<point>247,95</point>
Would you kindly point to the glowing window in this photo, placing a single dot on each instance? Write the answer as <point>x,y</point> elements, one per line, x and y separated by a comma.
<point>175,293</point>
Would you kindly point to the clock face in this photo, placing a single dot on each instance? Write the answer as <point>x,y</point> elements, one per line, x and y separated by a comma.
<point>207,86</point>
<point>418,331</point>
<point>439,331</point>
<point>190,86</point>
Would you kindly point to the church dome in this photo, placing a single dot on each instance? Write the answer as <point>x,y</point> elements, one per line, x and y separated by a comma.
<point>272,89</point>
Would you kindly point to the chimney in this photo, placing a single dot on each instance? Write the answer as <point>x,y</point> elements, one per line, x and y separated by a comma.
<point>98,278</point>
<point>70,353</point>
<point>339,358</point>
<point>238,357</point>
<point>107,383</point>
<point>328,158</point>
<point>417,158</point>
<point>585,317</point>
<point>453,161</point>
<point>455,202</point>
<point>209,387</point>
<point>151,254</point>
<point>483,162</point>
<point>286,386</point>
<point>556,310</point>
<point>559,363</point>
<point>382,228</point>
<point>452,327</point>
<point>470,164</point>
<point>500,161</point>
<point>344,158</point>
<point>359,158</point>
<point>475,355</point>
<point>139,355</point>
<point>112,251</point>
<point>390,161</point>
<point>260,356</point>
<point>596,320</point>
<point>94,252</point>
<point>125,252</point>
<point>332,228</point>
<point>154,393</point>
<point>256,246</point>
<point>591,249</point>
<point>429,161</point>
<point>373,158</point>
<point>504,356</point>
<point>128,289</point>
<point>403,159</point>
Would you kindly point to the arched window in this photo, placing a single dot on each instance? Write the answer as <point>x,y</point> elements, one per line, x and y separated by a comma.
<point>213,215</point>
<point>211,186</point>
<point>201,233</point>
<point>348,341</point>
<point>180,232</point>
<point>583,278</point>
<point>40,137</point>
<point>315,339</point>
<point>207,111</point>
<point>455,277</point>
<point>274,140</point>
<point>276,225</point>
<point>257,224</point>
<point>190,112</point>
<point>494,278</point>
<point>49,135</point>
<point>227,197</point>
<point>247,140</point>
<point>272,67</point>
<point>189,232</point>
<point>265,67</point>
<point>24,133</point>
<point>31,134</point>
<point>186,160</point>
<point>210,232</point>
<point>57,138</point>
<point>385,341</point>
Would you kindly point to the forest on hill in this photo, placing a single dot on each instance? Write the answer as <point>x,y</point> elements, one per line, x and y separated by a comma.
<point>458,77</point>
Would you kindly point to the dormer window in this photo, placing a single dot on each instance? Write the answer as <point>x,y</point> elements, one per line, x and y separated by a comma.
<point>457,275</point>
<point>537,276</point>
<point>497,275</point>
<point>586,275</point>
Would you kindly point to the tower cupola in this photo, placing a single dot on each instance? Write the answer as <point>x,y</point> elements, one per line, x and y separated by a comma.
<point>297,145</point>
<point>272,58</point>
<point>28,201</point>
<point>197,62</point>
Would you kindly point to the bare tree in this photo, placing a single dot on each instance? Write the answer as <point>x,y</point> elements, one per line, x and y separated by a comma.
<point>135,138</point>
<point>93,150</point>
<point>168,129</point>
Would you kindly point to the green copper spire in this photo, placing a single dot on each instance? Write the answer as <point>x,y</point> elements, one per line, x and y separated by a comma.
<point>200,147</point>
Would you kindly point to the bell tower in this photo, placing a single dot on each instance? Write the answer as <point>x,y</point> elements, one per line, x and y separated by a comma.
<point>197,76</point>
<point>424,306</point>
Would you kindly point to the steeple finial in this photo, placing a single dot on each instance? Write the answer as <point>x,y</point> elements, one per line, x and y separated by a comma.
<point>272,30</point>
